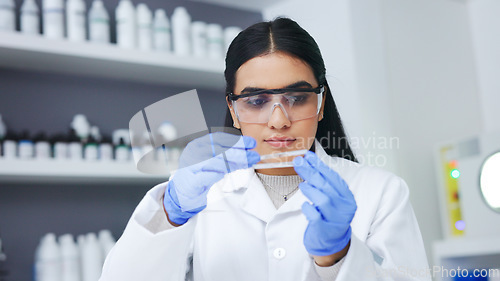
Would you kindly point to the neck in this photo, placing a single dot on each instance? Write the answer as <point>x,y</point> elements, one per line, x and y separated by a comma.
<point>278,171</point>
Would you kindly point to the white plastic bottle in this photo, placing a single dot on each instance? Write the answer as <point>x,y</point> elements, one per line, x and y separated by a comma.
<point>70,258</point>
<point>7,15</point>
<point>48,259</point>
<point>126,25</point>
<point>162,32</point>
<point>230,33</point>
<point>30,17</point>
<point>99,23</point>
<point>106,241</point>
<point>144,27</point>
<point>92,259</point>
<point>42,147</point>
<point>91,149</point>
<point>9,148</point>
<point>53,18</point>
<point>106,149</point>
<point>75,147</point>
<point>80,243</point>
<point>199,38</point>
<point>75,20</point>
<point>122,152</point>
<point>60,147</point>
<point>181,28</point>
<point>215,41</point>
<point>26,148</point>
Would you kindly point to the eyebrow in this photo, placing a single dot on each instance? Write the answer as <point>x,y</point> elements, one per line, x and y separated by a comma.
<point>298,84</point>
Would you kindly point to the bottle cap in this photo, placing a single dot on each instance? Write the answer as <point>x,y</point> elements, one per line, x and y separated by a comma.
<point>97,4</point>
<point>160,13</point>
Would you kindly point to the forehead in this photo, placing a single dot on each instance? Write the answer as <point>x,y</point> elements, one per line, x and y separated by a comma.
<point>275,70</point>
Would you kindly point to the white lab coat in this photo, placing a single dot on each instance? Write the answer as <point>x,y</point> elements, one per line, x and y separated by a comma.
<point>241,236</point>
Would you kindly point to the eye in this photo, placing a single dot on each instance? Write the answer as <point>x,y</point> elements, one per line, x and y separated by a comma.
<point>256,101</point>
<point>297,98</point>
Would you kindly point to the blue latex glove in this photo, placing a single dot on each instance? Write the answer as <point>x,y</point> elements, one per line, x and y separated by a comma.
<point>332,209</point>
<point>204,162</point>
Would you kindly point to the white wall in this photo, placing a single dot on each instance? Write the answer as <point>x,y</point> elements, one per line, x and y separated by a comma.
<point>402,68</point>
<point>355,69</point>
<point>485,29</point>
<point>433,87</point>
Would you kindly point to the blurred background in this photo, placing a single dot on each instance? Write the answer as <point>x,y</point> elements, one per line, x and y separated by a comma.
<point>415,82</point>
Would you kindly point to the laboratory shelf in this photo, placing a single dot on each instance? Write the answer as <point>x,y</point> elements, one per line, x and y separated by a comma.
<point>50,170</point>
<point>255,5</point>
<point>35,52</point>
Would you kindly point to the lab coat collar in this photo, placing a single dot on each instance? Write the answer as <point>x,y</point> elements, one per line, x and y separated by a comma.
<point>255,199</point>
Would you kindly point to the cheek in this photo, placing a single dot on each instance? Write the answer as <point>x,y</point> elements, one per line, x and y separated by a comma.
<point>306,131</point>
<point>251,130</point>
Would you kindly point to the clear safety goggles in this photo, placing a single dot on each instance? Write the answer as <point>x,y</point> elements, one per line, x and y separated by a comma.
<point>295,103</point>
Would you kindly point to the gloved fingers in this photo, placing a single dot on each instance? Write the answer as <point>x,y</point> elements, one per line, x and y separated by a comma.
<point>332,177</point>
<point>310,174</point>
<point>192,185</point>
<point>311,213</point>
<point>212,145</point>
<point>320,200</point>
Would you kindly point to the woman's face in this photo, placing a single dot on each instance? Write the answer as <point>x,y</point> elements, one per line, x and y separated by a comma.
<point>279,134</point>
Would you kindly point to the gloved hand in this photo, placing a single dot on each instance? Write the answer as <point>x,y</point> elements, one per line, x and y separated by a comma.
<point>204,162</point>
<point>332,209</point>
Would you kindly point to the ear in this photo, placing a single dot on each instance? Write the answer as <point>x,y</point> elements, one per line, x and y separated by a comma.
<point>236,123</point>
<point>320,115</point>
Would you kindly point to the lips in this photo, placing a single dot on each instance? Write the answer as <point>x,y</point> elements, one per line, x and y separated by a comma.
<point>280,141</point>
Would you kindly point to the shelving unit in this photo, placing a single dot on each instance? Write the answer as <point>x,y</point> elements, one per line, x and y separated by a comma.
<point>254,5</point>
<point>30,52</point>
<point>466,253</point>
<point>48,171</point>
<point>38,196</point>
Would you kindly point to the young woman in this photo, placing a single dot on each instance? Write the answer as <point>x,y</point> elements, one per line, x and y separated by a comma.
<point>325,218</point>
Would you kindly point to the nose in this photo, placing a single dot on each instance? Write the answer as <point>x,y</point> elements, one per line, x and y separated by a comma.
<point>278,119</point>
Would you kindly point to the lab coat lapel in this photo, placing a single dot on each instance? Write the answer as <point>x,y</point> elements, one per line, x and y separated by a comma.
<point>255,200</point>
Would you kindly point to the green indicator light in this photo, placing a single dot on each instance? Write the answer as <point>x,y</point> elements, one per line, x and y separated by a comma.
<point>455,173</point>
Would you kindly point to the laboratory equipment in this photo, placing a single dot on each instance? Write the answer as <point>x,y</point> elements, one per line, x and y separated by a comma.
<point>126,33</point>
<point>42,147</point>
<point>277,156</point>
<point>199,38</point>
<point>7,15</point>
<point>181,28</point>
<point>144,27</point>
<point>99,23</point>
<point>30,17</point>
<point>75,20</point>
<point>162,32</point>
<point>215,41</point>
<point>53,18</point>
<point>468,177</point>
